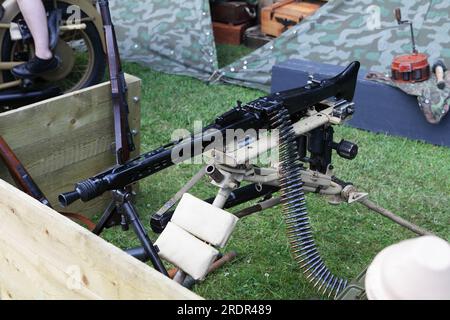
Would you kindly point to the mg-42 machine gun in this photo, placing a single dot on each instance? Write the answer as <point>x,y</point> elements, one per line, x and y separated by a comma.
<point>298,123</point>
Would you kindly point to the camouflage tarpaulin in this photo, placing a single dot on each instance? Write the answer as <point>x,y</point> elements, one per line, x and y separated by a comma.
<point>176,36</point>
<point>167,35</point>
<point>433,102</point>
<point>347,30</point>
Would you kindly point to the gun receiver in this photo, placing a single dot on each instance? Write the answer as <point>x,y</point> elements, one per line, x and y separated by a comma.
<point>254,115</point>
<point>123,136</point>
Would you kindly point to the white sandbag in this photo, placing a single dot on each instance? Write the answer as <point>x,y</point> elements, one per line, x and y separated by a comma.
<point>204,221</point>
<point>185,251</point>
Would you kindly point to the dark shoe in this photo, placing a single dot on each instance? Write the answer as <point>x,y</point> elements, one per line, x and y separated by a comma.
<point>35,67</point>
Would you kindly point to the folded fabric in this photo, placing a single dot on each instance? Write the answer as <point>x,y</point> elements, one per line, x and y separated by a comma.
<point>434,102</point>
<point>204,221</point>
<point>185,251</point>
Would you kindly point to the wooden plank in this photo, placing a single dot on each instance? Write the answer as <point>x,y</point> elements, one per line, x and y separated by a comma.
<point>231,12</point>
<point>46,256</point>
<point>288,10</point>
<point>64,140</point>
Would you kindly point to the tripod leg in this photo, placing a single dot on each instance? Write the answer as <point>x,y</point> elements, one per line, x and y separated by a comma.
<point>107,215</point>
<point>143,237</point>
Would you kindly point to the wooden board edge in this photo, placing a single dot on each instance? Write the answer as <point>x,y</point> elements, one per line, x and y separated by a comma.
<point>16,204</point>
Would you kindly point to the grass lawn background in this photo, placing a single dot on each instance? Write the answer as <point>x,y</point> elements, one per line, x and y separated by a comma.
<point>408,177</point>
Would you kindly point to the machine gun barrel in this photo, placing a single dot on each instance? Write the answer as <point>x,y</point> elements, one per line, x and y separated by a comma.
<point>254,115</point>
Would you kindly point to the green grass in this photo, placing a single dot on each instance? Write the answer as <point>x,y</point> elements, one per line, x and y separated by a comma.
<point>408,177</point>
<point>227,54</point>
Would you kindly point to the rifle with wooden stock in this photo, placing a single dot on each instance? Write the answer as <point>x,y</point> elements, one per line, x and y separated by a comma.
<point>124,144</point>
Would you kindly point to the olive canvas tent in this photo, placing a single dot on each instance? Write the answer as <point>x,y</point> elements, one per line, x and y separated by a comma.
<point>176,36</point>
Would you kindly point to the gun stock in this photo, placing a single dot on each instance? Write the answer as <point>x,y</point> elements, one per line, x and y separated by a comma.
<point>19,174</point>
<point>124,144</point>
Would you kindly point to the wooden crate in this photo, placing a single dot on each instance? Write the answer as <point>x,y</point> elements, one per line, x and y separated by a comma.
<point>67,139</point>
<point>233,12</point>
<point>289,12</point>
<point>225,33</point>
<point>44,255</point>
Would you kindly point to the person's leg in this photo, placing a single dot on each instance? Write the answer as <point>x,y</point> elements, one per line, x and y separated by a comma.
<point>33,12</point>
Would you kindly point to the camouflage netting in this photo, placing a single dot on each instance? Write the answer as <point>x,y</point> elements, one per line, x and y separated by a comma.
<point>340,33</point>
<point>167,35</point>
<point>176,36</point>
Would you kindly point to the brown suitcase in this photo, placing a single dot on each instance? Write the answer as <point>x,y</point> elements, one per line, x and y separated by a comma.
<point>281,16</point>
<point>234,12</point>
<point>226,33</point>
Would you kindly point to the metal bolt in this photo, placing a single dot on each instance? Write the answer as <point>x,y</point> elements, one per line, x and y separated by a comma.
<point>128,197</point>
<point>136,99</point>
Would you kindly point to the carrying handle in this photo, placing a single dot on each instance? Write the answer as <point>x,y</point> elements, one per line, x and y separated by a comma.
<point>251,12</point>
<point>398,15</point>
